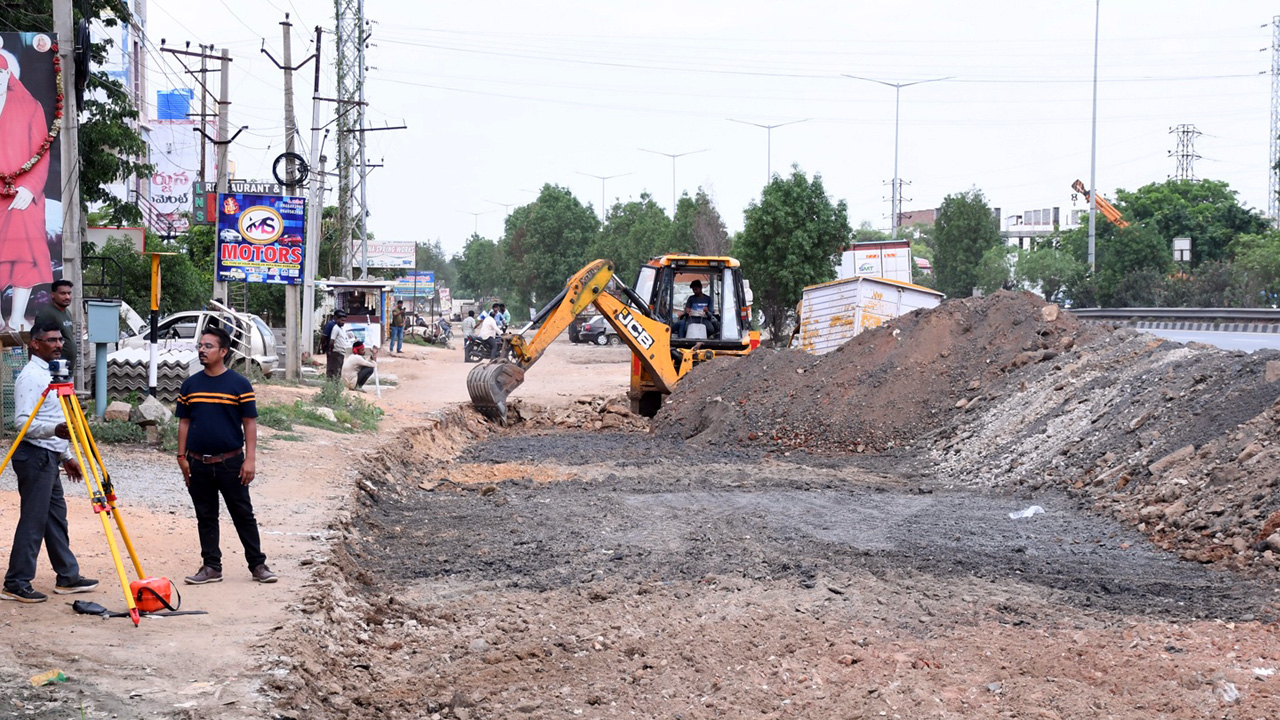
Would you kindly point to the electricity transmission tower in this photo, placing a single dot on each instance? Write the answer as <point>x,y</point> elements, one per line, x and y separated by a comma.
<point>352,35</point>
<point>1186,152</point>
<point>1273,187</point>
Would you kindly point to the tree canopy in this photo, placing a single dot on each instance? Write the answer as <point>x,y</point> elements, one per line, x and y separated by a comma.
<point>966,229</point>
<point>790,239</point>
<point>1206,211</point>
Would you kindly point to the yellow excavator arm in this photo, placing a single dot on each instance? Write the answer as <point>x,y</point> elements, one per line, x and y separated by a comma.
<point>1106,208</point>
<point>489,385</point>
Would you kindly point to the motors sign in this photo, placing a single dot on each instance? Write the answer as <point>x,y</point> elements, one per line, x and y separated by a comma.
<point>261,238</point>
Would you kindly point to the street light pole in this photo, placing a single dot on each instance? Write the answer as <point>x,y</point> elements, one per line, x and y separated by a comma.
<point>769,142</point>
<point>673,157</point>
<point>1093,149</point>
<point>602,179</point>
<point>476,215</point>
<point>896,196</point>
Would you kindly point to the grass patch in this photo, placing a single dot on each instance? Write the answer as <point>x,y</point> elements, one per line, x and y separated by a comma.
<point>348,408</point>
<point>289,437</point>
<point>118,432</point>
<point>415,340</point>
<point>276,417</point>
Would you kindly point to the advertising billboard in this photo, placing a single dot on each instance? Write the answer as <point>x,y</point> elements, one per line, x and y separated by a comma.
<point>261,238</point>
<point>418,284</point>
<point>393,254</point>
<point>175,153</point>
<point>30,173</point>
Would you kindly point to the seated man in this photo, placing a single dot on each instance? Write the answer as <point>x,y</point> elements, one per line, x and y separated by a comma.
<point>356,369</point>
<point>697,309</point>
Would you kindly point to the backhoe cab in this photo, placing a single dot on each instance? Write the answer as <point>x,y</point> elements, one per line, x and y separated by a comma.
<point>684,310</point>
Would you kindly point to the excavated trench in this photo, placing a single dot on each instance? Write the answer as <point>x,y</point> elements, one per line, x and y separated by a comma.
<point>620,573</point>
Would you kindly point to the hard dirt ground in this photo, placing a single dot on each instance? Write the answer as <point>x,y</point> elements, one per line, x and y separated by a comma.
<point>579,565</point>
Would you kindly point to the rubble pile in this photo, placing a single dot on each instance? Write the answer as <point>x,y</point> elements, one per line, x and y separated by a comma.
<point>586,413</point>
<point>1009,392</point>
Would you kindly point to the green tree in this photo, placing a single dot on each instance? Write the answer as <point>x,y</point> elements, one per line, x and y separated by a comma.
<point>996,268</point>
<point>1050,269</point>
<point>480,269</point>
<point>1131,263</point>
<point>546,242</point>
<point>430,256</point>
<point>699,227</point>
<point>110,148</point>
<point>182,285</point>
<point>633,232</point>
<point>790,239</point>
<point>1206,211</point>
<point>1257,268</point>
<point>965,230</point>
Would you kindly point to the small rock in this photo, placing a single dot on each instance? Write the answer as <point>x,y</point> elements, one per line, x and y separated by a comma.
<point>1273,542</point>
<point>1273,371</point>
<point>1249,451</point>
<point>150,412</point>
<point>327,414</point>
<point>1175,511</point>
<point>1172,459</point>
<point>1049,313</point>
<point>118,410</point>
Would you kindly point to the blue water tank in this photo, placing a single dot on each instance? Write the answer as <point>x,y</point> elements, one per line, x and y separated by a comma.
<point>174,104</point>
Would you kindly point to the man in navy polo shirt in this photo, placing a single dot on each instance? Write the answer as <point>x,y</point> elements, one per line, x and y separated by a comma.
<point>217,445</point>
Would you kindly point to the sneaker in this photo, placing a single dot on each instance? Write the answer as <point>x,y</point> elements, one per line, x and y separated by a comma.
<point>204,575</point>
<point>25,594</point>
<point>263,574</point>
<point>84,584</point>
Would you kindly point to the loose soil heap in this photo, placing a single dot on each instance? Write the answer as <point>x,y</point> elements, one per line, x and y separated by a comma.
<point>1009,392</point>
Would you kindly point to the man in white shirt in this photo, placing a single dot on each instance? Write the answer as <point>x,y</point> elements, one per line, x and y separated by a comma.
<point>356,369</point>
<point>43,514</point>
<point>488,333</point>
<point>339,343</point>
<point>469,324</point>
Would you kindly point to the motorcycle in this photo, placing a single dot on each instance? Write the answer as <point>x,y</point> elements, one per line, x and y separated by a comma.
<point>473,350</point>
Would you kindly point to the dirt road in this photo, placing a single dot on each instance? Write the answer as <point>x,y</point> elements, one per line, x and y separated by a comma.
<point>582,566</point>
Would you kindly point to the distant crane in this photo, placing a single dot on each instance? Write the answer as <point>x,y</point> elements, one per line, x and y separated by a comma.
<point>1104,207</point>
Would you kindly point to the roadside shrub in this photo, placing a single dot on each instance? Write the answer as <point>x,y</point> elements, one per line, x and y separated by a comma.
<point>118,432</point>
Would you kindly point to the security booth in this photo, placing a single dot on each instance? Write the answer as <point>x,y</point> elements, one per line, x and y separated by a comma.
<point>368,304</point>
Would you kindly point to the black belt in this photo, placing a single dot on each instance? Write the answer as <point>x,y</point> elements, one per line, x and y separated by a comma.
<point>211,459</point>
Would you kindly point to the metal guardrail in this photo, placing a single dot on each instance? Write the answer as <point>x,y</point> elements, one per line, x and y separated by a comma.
<point>1224,315</point>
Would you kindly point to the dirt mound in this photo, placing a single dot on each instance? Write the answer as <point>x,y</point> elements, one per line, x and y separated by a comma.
<point>1008,392</point>
<point>878,390</point>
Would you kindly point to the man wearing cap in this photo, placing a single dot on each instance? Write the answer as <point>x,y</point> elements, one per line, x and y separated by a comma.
<point>357,369</point>
<point>339,343</point>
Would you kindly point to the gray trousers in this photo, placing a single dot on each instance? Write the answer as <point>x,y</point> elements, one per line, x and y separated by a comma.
<point>43,518</point>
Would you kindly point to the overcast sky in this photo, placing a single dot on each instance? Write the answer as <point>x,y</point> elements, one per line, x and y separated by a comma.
<point>502,97</point>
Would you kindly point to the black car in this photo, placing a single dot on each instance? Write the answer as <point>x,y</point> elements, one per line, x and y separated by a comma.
<point>597,331</point>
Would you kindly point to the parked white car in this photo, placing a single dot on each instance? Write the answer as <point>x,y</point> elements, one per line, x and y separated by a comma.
<point>182,330</point>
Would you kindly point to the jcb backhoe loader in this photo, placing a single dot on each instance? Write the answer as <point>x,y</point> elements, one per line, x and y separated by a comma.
<point>668,321</point>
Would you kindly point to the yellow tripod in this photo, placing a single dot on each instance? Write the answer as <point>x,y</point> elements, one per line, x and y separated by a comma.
<point>96,479</point>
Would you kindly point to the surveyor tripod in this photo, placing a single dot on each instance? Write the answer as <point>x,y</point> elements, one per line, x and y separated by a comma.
<point>96,479</point>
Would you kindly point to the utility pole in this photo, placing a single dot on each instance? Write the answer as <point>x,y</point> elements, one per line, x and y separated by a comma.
<point>204,108</point>
<point>224,106</point>
<point>292,356</point>
<point>315,211</point>
<point>1273,174</point>
<point>673,157</point>
<point>69,152</point>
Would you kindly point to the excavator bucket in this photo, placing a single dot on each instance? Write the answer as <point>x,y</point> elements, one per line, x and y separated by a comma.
<point>489,386</point>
